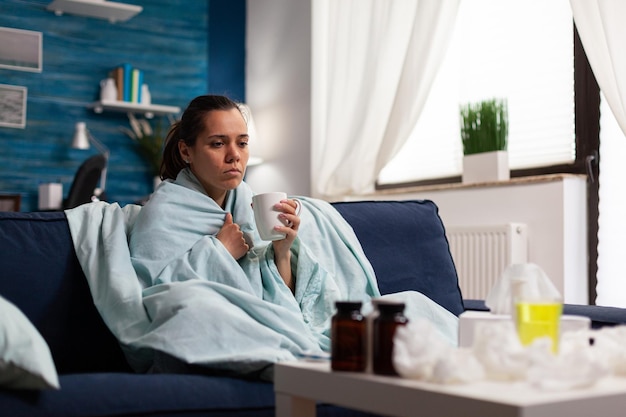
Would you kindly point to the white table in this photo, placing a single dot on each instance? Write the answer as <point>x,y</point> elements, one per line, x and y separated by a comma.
<point>300,385</point>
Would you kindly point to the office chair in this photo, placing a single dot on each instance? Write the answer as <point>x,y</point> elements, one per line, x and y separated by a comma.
<point>85,181</point>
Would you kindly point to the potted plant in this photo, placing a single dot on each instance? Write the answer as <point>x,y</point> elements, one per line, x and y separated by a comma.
<point>149,142</point>
<point>484,133</point>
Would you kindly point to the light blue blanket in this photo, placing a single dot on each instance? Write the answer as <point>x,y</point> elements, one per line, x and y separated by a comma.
<point>164,284</point>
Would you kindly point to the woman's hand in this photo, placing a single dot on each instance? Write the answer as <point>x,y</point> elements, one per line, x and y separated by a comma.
<point>232,238</point>
<point>282,248</point>
<point>292,222</point>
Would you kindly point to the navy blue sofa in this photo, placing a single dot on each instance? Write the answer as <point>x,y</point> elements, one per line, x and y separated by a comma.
<point>39,273</point>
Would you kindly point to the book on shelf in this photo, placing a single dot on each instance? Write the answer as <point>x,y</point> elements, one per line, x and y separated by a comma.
<point>128,81</point>
<point>118,75</point>
<point>127,70</point>
<point>135,85</point>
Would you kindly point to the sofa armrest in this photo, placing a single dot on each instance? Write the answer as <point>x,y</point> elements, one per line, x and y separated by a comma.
<point>600,316</point>
<point>40,274</point>
<point>406,244</point>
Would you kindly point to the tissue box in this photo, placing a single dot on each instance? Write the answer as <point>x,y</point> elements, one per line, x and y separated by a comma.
<point>468,320</point>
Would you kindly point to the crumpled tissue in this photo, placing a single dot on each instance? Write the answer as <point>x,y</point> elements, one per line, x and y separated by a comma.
<point>500,352</point>
<point>497,352</point>
<point>577,364</point>
<point>608,345</point>
<point>420,353</point>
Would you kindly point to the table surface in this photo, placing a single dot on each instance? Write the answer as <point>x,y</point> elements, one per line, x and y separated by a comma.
<point>299,385</point>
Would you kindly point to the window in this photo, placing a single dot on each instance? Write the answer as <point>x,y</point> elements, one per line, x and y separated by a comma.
<point>494,54</point>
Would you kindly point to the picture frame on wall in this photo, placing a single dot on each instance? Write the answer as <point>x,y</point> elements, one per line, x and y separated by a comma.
<point>13,106</point>
<point>20,49</point>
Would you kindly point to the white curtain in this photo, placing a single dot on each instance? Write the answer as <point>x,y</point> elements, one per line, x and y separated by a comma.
<point>602,29</point>
<point>372,67</point>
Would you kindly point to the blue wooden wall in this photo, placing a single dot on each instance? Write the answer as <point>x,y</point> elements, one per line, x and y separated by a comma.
<point>227,35</point>
<point>169,40</point>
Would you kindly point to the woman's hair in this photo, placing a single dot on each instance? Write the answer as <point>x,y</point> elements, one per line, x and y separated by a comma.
<point>188,129</point>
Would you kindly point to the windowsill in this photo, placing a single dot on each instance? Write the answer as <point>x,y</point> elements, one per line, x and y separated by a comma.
<point>460,186</point>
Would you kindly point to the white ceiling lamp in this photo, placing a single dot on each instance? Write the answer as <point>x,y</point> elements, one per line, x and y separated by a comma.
<point>100,9</point>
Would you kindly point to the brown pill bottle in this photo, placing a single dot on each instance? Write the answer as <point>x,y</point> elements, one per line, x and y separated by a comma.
<point>348,338</point>
<point>390,316</point>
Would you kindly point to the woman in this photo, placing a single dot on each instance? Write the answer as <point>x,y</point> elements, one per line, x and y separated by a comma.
<point>237,302</point>
<point>203,198</point>
<point>210,143</point>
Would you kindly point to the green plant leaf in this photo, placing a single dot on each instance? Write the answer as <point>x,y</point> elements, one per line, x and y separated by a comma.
<point>149,141</point>
<point>484,126</point>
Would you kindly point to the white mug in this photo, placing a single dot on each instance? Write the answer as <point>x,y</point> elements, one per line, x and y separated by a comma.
<point>266,216</point>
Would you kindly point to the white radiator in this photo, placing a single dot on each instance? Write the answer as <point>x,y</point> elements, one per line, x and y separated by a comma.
<point>482,253</point>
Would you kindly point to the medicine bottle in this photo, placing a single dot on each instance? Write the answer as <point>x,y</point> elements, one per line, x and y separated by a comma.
<point>348,338</point>
<point>390,316</point>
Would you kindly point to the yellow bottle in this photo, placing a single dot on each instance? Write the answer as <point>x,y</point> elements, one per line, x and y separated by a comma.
<point>537,319</point>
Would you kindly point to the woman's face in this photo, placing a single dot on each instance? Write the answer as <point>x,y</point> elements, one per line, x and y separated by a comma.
<point>220,155</point>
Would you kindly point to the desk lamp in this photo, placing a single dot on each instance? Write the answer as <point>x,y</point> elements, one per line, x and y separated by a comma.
<point>82,139</point>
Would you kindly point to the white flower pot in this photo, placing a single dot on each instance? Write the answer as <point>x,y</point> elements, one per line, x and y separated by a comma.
<point>486,167</point>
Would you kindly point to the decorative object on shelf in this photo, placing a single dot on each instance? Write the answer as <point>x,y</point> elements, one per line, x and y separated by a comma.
<point>253,135</point>
<point>484,133</point>
<point>82,139</point>
<point>149,141</point>
<point>146,97</point>
<point>112,11</point>
<point>108,90</point>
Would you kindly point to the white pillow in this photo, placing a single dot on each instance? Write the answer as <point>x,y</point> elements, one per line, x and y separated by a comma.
<point>25,359</point>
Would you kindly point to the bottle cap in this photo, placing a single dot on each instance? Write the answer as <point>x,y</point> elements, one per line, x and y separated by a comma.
<point>389,306</point>
<point>348,305</point>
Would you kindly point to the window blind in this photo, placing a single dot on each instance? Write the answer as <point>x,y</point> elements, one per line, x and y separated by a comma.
<point>521,50</point>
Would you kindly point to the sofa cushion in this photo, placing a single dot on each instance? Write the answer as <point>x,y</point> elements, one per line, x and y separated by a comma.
<point>25,360</point>
<point>42,277</point>
<point>406,244</point>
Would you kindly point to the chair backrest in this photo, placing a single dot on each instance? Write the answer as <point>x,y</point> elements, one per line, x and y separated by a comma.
<point>85,181</point>
<point>10,202</point>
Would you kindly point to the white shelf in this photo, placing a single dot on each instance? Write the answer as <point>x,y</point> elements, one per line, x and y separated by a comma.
<point>100,9</point>
<point>149,110</point>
